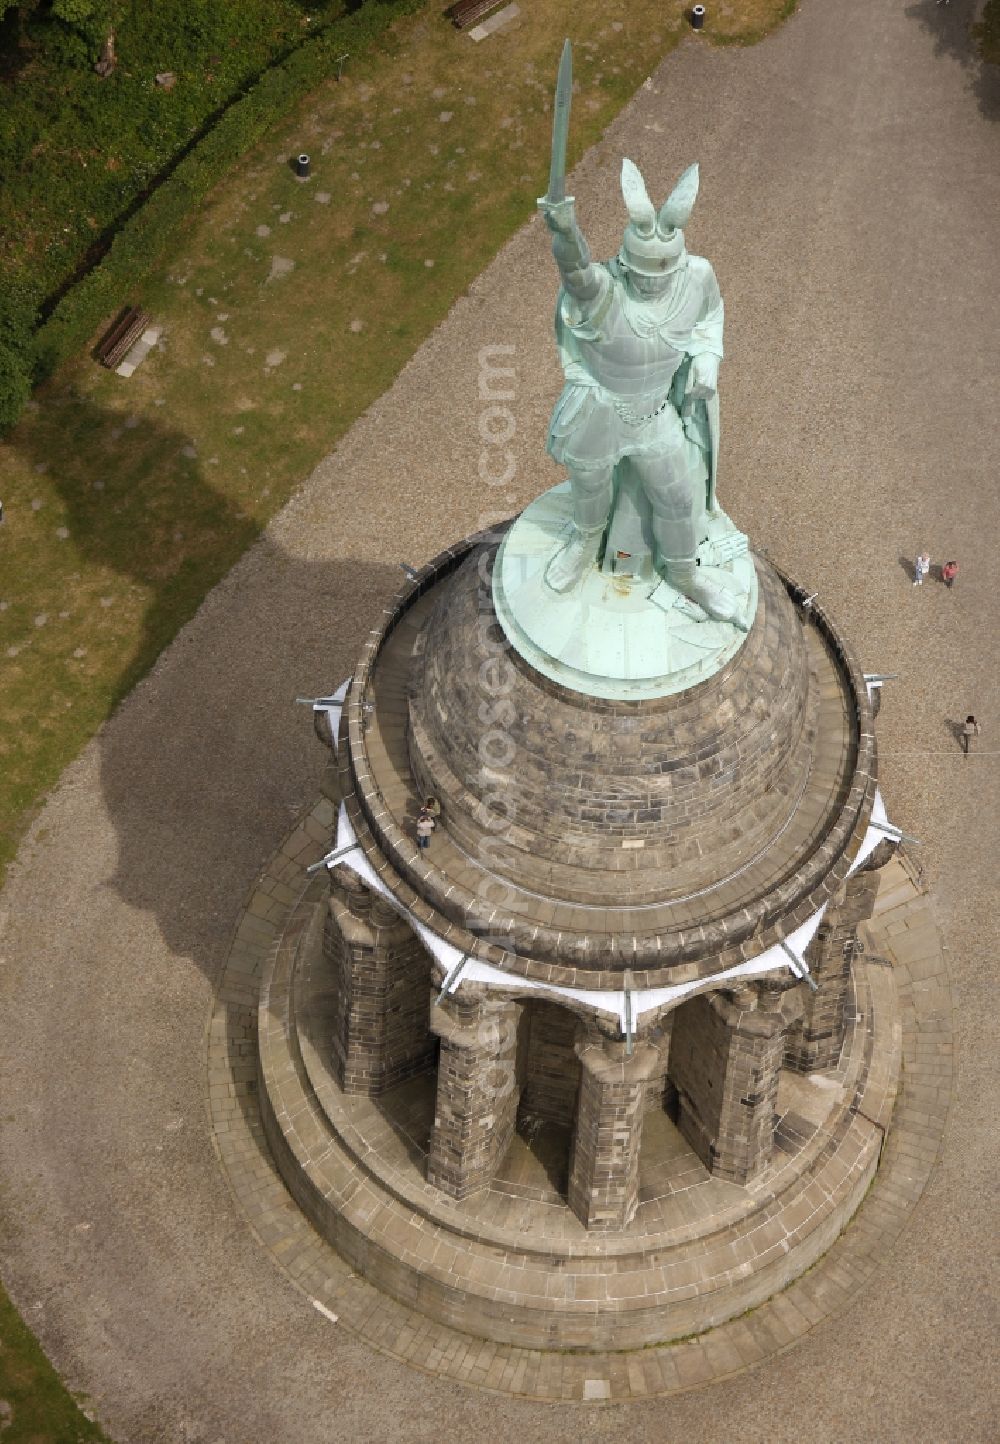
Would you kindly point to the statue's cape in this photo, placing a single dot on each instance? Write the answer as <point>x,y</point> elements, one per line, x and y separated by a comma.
<point>700,420</point>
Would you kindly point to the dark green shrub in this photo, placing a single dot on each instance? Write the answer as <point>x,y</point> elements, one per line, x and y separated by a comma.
<point>17,323</point>
<point>987,32</point>
<point>90,19</point>
<point>141,240</point>
<point>15,384</point>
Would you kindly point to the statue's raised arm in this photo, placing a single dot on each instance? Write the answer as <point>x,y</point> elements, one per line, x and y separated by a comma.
<point>584,281</point>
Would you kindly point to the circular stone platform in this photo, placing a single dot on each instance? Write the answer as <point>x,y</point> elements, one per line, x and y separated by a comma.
<point>617,635</point>
<point>512,1263</point>
<point>904,950</point>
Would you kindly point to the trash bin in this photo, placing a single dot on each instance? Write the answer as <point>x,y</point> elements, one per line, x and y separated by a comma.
<point>302,162</point>
<point>697,17</point>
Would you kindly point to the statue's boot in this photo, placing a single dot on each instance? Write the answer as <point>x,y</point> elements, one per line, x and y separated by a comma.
<point>686,577</point>
<point>574,559</point>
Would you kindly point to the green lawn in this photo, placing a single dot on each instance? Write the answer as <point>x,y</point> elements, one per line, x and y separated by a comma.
<point>34,1406</point>
<point>287,310</point>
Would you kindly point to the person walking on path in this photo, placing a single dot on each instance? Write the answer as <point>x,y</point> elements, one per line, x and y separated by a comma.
<point>948,573</point>
<point>970,734</point>
<point>425,826</point>
<point>921,567</point>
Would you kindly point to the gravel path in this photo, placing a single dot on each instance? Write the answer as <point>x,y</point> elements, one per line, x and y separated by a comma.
<point>851,206</point>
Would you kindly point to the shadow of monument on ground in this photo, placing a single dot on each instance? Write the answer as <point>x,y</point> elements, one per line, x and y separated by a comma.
<point>207,762</point>
<point>207,766</point>
<point>171,534</point>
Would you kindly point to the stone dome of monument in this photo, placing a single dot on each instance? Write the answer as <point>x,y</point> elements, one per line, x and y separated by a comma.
<point>608,802</point>
<point>580,837</point>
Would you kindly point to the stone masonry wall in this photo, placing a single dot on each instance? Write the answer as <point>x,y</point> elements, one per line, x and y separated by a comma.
<point>552,1067</point>
<point>381,1033</point>
<point>660,1094</point>
<point>478,1090</point>
<point>590,772</point>
<point>725,1061</point>
<point>607,1138</point>
<point>815,1043</point>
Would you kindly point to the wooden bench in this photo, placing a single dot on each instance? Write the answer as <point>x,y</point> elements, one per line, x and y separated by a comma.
<point>116,344</point>
<point>465,13</point>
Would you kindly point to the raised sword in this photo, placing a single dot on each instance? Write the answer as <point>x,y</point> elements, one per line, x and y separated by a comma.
<point>560,127</point>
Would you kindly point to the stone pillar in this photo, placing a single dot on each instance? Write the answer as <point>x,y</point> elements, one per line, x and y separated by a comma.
<point>661,1095</point>
<point>817,1041</point>
<point>725,1061</point>
<point>478,1088</point>
<point>381,1032</point>
<point>607,1132</point>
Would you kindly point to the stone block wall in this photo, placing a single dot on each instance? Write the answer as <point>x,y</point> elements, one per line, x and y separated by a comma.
<point>725,1060</point>
<point>660,1095</point>
<point>607,1137</point>
<point>552,1073</point>
<point>590,772</point>
<point>381,1032</point>
<point>816,1042</point>
<point>480,1072</point>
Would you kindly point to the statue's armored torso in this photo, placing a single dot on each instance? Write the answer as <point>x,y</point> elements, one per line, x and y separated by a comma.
<point>620,355</point>
<point>632,347</point>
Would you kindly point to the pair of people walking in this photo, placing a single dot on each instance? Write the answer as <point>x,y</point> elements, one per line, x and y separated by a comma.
<point>922,567</point>
<point>969,731</point>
